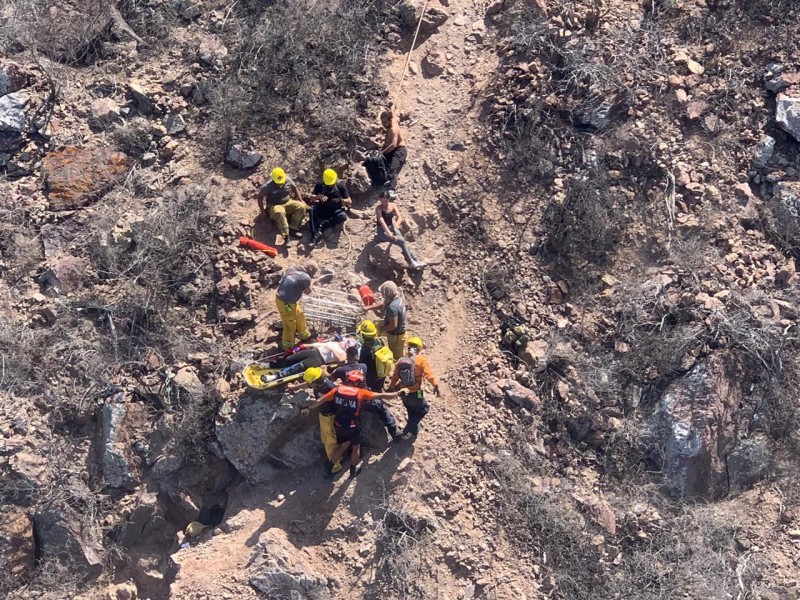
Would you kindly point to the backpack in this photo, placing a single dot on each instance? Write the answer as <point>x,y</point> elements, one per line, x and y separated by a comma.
<point>405,371</point>
<point>384,361</point>
<point>377,169</point>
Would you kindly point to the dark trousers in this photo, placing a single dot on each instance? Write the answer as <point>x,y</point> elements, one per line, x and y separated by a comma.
<point>416,407</point>
<point>376,385</point>
<point>319,225</point>
<point>395,159</point>
<point>299,362</point>
<point>379,408</point>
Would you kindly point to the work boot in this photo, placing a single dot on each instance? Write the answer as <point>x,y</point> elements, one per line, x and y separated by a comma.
<point>315,239</point>
<point>354,471</point>
<point>395,435</point>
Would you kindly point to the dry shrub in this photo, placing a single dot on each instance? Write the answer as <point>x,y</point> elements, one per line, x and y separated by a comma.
<point>586,226</point>
<point>303,62</point>
<point>20,247</point>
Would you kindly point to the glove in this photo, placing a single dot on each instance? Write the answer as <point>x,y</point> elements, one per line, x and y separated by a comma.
<point>436,391</point>
<point>300,347</point>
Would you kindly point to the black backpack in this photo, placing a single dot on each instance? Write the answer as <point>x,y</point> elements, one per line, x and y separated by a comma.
<point>377,169</point>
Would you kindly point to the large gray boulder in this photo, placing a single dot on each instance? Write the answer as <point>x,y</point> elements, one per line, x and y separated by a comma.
<point>267,434</point>
<point>693,427</point>
<point>12,112</point>
<point>787,111</point>
<point>280,570</point>
<point>121,468</point>
<point>59,537</point>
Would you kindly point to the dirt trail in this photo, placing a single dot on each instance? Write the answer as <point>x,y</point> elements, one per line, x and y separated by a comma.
<point>333,520</point>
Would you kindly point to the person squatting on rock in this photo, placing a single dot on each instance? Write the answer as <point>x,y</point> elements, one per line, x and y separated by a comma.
<point>348,400</point>
<point>332,199</point>
<point>295,282</point>
<point>393,310</point>
<point>278,205</point>
<point>394,145</point>
<point>309,355</point>
<point>410,372</point>
<point>389,220</point>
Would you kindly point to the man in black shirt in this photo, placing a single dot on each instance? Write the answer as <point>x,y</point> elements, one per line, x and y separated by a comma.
<point>332,200</point>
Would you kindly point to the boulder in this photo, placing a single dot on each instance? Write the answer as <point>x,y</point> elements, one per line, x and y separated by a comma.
<point>174,124</point>
<point>242,159</point>
<point>211,50</point>
<point>13,77</point>
<point>518,394</point>
<point>75,177</point>
<point>749,462</point>
<point>434,18</point>
<point>358,182</point>
<point>58,536</point>
<point>103,112</point>
<point>434,62</point>
<point>693,427</point>
<point>787,111</point>
<point>17,553</point>
<point>267,434</point>
<point>189,383</point>
<point>763,151</point>
<point>146,523</point>
<point>280,570</point>
<point>120,463</point>
<point>143,102</point>
<point>387,259</point>
<point>12,112</point>
<point>65,273</point>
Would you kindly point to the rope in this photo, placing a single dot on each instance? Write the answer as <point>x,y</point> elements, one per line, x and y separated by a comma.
<point>408,55</point>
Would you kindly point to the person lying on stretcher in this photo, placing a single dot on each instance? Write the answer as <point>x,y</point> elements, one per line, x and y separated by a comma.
<point>307,356</point>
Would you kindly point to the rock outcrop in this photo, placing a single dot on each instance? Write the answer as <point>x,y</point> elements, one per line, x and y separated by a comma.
<point>694,427</point>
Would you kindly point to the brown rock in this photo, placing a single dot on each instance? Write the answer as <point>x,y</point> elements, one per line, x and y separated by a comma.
<point>104,111</point>
<point>66,273</point>
<point>696,108</point>
<point>16,543</point>
<point>75,177</point>
<point>434,62</point>
<point>13,77</point>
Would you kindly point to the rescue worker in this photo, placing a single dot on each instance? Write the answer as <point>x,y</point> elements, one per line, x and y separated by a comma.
<point>409,372</point>
<point>295,282</point>
<point>393,310</point>
<point>370,344</point>
<point>376,406</point>
<point>394,145</point>
<point>307,356</point>
<point>332,199</point>
<point>348,400</point>
<point>388,221</point>
<point>314,377</point>
<point>274,200</point>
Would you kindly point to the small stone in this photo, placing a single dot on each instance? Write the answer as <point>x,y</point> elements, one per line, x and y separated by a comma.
<point>242,159</point>
<point>174,123</point>
<point>149,158</point>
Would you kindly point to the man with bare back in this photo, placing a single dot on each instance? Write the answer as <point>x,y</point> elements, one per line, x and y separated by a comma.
<point>394,145</point>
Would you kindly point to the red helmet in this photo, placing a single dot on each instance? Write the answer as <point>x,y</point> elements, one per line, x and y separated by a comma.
<point>355,376</point>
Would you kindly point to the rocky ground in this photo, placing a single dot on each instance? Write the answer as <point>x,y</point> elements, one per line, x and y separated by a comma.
<point>619,177</point>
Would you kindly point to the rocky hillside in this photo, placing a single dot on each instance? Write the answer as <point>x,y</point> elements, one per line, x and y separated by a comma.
<point>617,180</point>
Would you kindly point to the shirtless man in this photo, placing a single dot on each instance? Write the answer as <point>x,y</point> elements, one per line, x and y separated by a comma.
<point>394,145</point>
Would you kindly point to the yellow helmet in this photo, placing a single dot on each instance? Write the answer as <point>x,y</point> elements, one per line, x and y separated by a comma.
<point>367,328</point>
<point>329,177</point>
<point>312,374</point>
<point>278,176</point>
<point>415,341</point>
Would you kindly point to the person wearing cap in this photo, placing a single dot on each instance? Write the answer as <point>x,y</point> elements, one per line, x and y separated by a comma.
<point>348,400</point>
<point>295,282</point>
<point>410,372</point>
<point>315,379</point>
<point>370,344</point>
<point>280,199</point>
<point>331,201</point>
<point>389,221</point>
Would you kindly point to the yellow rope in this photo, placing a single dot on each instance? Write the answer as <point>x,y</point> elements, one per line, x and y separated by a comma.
<point>408,56</point>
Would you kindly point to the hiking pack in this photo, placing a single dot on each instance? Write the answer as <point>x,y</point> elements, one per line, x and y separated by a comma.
<point>384,361</point>
<point>515,334</point>
<point>405,371</point>
<point>377,168</point>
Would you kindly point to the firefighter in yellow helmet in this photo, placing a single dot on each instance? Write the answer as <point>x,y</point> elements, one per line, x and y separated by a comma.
<point>409,374</point>
<point>331,200</point>
<point>280,199</point>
